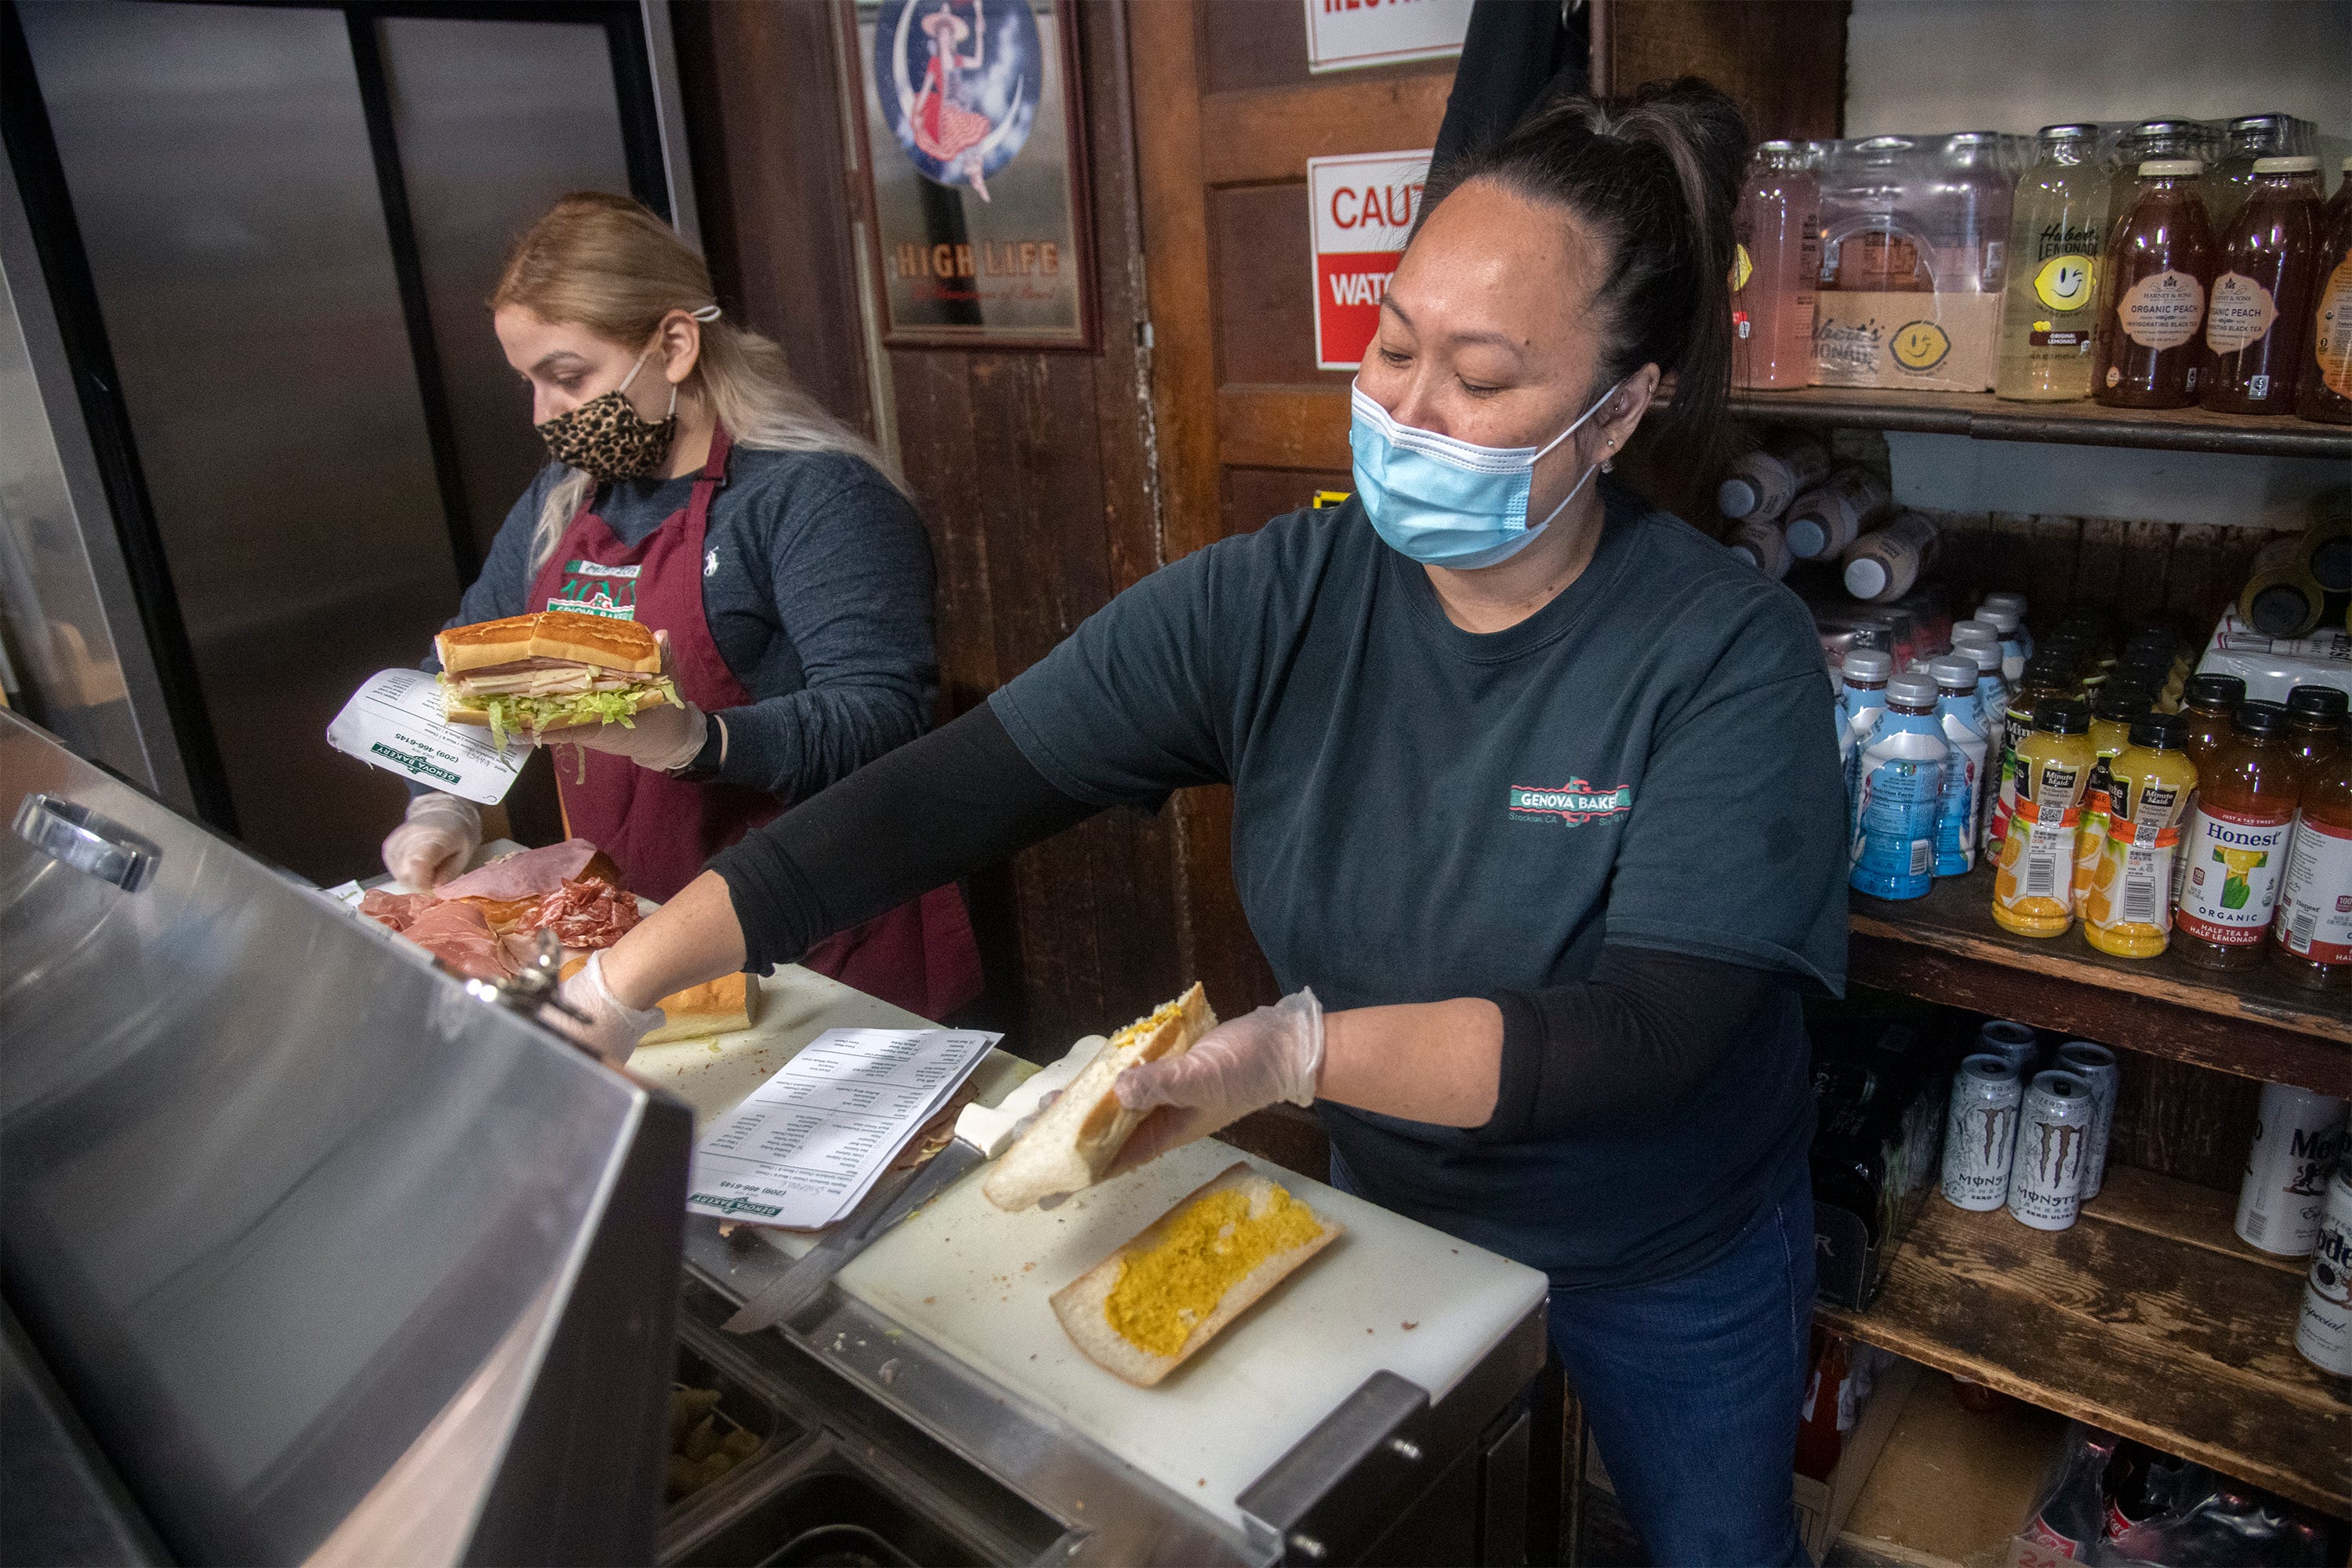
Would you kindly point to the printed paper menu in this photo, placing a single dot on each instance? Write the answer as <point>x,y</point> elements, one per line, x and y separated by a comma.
<point>809,1142</point>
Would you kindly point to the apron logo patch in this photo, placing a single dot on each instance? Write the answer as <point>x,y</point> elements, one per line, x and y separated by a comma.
<point>590,588</point>
<point>1574,803</point>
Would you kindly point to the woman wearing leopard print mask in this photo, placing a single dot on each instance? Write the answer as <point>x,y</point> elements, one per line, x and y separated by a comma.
<point>694,488</point>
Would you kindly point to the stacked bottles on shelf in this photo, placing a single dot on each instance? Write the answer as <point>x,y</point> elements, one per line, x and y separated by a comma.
<point>1787,504</point>
<point>2163,264</point>
<point>2167,812</point>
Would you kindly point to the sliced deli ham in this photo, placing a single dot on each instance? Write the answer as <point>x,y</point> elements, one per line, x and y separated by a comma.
<point>456,935</point>
<point>583,915</point>
<point>396,910</point>
<point>532,873</point>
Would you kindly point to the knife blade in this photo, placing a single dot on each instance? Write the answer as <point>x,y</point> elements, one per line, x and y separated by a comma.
<point>981,1132</point>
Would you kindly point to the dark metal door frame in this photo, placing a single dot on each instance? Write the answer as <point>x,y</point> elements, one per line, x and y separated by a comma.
<point>40,176</point>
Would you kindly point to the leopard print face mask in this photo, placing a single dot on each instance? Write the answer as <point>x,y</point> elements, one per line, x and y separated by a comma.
<point>608,438</point>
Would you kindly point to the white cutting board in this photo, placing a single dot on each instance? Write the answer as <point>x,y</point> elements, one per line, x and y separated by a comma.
<point>1391,1294</point>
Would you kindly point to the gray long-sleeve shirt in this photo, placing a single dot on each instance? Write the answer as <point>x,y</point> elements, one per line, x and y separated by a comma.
<point>817,588</point>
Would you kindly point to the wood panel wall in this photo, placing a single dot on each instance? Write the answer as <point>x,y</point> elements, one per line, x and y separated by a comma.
<point>1033,469</point>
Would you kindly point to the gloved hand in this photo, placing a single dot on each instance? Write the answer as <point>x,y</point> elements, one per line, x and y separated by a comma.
<point>1245,1065</point>
<point>662,738</point>
<point>606,1027</point>
<point>432,845</point>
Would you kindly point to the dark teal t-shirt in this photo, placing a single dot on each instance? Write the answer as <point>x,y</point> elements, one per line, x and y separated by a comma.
<point>1422,813</point>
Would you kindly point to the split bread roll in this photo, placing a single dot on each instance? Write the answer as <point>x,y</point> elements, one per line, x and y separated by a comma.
<point>544,659</point>
<point>1073,1141</point>
<point>1143,1310</point>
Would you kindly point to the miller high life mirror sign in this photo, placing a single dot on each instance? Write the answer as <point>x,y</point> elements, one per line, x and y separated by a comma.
<point>1364,205</point>
<point>1344,34</point>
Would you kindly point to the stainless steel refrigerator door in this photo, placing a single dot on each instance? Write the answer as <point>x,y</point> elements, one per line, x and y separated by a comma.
<point>222,175</point>
<point>324,1250</point>
<point>542,94</point>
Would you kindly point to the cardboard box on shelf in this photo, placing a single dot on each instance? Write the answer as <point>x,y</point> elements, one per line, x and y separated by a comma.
<point>1933,341</point>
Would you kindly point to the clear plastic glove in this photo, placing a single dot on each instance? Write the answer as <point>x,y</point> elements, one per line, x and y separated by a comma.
<point>663,738</point>
<point>606,1027</point>
<point>1274,1054</point>
<point>432,845</point>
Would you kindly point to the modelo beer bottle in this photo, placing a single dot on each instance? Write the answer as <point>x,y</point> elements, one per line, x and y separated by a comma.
<point>2149,342</point>
<point>2261,304</point>
<point>2235,847</point>
<point>2325,391</point>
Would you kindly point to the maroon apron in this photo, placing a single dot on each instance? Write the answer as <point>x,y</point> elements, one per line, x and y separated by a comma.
<point>661,830</point>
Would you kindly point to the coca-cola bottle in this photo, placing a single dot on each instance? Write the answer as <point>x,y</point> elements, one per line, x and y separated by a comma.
<point>2072,1514</point>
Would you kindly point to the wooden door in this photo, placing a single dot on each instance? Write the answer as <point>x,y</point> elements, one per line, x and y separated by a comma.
<point>1247,427</point>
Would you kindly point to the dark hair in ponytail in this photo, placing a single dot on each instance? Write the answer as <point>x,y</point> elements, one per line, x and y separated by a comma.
<point>1655,184</point>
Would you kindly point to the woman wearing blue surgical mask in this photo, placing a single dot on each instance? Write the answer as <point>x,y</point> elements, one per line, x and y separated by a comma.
<point>1536,811</point>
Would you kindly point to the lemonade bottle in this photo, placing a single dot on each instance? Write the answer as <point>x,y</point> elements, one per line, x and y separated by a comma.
<point>2032,893</point>
<point>2058,227</point>
<point>2236,846</point>
<point>2149,784</point>
<point>2043,681</point>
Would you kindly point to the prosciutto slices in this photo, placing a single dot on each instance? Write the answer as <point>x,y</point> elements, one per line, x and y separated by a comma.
<point>583,915</point>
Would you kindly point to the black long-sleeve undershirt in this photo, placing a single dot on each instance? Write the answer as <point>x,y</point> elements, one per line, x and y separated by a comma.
<point>1642,1033</point>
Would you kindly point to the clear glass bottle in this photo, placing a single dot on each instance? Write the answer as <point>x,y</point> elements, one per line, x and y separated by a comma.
<point>2246,140</point>
<point>1777,227</point>
<point>2265,270</point>
<point>2149,342</point>
<point>2057,231</point>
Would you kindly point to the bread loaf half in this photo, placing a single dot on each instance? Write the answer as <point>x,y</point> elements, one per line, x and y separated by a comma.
<point>720,1007</point>
<point>1072,1143</point>
<point>1143,1310</point>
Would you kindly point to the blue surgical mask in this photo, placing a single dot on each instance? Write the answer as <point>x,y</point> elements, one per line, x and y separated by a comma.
<point>1445,502</point>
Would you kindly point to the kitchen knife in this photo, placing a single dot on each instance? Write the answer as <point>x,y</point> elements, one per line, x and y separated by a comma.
<point>982,1133</point>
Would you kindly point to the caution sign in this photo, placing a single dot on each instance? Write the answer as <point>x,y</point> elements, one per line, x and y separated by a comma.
<point>1344,34</point>
<point>1364,206</point>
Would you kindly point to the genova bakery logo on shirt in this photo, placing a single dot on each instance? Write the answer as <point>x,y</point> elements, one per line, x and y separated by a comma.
<point>1574,803</point>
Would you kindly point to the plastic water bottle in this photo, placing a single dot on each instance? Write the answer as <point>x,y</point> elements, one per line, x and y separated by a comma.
<point>1896,808</point>
<point>1962,719</point>
<point>1866,671</point>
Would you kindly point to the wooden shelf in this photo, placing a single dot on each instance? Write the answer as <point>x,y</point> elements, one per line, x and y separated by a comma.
<point>1984,418</point>
<point>1951,1485</point>
<point>2255,1022</point>
<point>2148,1318</point>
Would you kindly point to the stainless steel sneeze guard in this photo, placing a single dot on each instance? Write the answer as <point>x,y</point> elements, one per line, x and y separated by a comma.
<point>1329,1499</point>
<point>332,1261</point>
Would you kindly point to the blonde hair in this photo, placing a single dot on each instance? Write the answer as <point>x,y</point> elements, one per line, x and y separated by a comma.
<point>606,263</point>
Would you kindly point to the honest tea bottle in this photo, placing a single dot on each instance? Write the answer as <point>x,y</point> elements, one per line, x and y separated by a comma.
<point>1762,484</point>
<point>2315,718</point>
<point>1895,807</point>
<point>2032,894</point>
<point>2325,393</point>
<point>2150,785</point>
<point>2148,342</point>
<point>2207,703</point>
<point>2056,233</point>
<point>1962,718</point>
<point>2234,851</point>
<point>2260,312</point>
<point>2313,929</point>
<point>1777,226</point>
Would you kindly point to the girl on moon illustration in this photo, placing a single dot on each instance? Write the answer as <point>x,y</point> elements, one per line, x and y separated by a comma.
<point>943,123</point>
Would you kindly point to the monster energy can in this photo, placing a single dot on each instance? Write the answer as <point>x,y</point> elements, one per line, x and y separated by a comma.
<point>2297,1136</point>
<point>2013,1042</point>
<point>1981,1134</point>
<point>2324,1333</point>
<point>2054,1133</point>
<point>2094,1065</point>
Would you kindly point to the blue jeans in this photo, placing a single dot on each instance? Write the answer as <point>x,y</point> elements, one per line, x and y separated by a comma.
<point>1692,1385</point>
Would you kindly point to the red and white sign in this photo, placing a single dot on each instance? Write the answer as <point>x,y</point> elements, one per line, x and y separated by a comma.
<point>1364,206</point>
<point>1344,34</point>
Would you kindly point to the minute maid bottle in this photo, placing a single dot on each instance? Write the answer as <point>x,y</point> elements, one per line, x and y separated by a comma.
<point>1962,720</point>
<point>1896,806</point>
